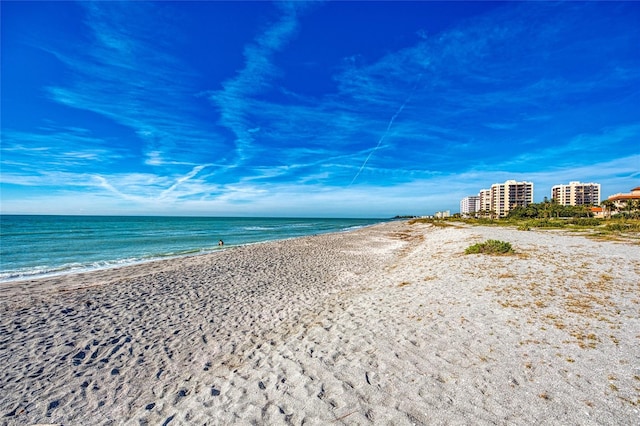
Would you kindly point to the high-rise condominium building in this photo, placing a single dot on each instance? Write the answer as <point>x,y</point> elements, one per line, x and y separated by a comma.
<point>470,205</point>
<point>485,201</point>
<point>576,194</point>
<point>509,195</point>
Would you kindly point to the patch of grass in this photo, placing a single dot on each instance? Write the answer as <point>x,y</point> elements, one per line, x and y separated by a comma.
<point>586,221</point>
<point>430,221</point>
<point>490,247</point>
<point>623,226</point>
<point>613,229</point>
<point>440,223</point>
<point>486,221</point>
<point>547,223</point>
<point>425,220</point>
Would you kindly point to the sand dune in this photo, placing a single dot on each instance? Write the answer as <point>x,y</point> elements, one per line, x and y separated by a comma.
<point>391,324</point>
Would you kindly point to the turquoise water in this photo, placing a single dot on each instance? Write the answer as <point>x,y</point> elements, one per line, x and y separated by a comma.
<point>35,246</point>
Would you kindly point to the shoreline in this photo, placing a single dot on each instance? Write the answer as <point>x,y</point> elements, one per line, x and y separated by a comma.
<point>123,263</point>
<point>387,323</point>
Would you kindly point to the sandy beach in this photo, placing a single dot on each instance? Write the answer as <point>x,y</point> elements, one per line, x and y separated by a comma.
<point>389,324</point>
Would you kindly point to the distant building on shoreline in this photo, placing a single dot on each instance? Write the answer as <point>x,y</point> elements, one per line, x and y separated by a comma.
<point>509,195</point>
<point>576,194</point>
<point>470,205</point>
<point>485,200</point>
<point>499,200</point>
<point>620,200</point>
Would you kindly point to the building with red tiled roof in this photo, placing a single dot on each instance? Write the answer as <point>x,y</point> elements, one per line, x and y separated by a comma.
<point>597,212</point>
<point>620,197</point>
<point>630,201</point>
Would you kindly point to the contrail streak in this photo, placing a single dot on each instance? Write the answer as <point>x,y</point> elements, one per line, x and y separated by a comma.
<point>182,180</point>
<point>393,118</point>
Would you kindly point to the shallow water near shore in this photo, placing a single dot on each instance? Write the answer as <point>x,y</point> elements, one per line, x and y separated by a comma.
<point>36,246</point>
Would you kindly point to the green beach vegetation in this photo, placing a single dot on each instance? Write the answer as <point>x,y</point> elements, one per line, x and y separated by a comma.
<point>596,227</point>
<point>622,223</point>
<point>490,247</point>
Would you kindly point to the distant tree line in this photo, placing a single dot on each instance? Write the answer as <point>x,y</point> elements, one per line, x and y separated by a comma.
<point>549,209</point>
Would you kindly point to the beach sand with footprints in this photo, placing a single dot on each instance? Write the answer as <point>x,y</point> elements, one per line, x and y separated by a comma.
<point>389,324</point>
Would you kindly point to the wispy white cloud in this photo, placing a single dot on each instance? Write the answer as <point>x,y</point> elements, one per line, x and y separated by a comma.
<point>525,91</point>
<point>125,74</point>
<point>149,189</point>
<point>496,67</point>
<point>501,126</point>
<point>103,183</point>
<point>577,149</point>
<point>181,180</point>
<point>50,148</point>
<point>423,193</point>
<point>234,100</point>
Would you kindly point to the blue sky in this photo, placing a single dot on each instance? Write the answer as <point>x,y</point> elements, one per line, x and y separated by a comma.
<point>348,109</point>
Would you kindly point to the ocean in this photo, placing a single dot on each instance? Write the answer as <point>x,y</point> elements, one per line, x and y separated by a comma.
<point>38,246</point>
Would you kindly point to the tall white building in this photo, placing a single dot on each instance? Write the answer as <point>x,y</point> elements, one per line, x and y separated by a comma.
<point>576,194</point>
<point>485,201</point>
<point>470,205</point>
<point>509,195</point>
